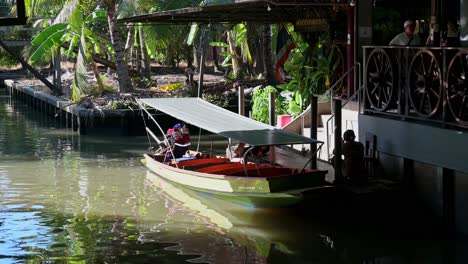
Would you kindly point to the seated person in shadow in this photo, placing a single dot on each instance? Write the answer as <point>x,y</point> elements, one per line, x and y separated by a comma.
<point>257,151</point>
<point>180,137</point>
<point>353,162</point>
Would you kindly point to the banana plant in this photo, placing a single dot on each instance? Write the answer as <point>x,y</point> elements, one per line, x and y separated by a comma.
<point>238,49</point>
<point>82,38</point>
<point>310,70</point>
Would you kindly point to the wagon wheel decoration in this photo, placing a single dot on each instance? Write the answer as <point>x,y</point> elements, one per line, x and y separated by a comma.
<point>425,83</point>
<point>457,87</point>
<point>337,65</point>
<point>380,80</point>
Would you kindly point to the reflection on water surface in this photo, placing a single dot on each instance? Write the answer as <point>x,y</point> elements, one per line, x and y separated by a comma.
<point>66,198</point>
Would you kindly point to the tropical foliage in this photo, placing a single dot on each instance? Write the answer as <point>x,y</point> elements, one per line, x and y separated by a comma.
<point>245,48</point>
<point>261,102</point>
<point>83,43</point>
<point>310,69</point>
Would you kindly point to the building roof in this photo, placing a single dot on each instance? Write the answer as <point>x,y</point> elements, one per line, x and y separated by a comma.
<point>279,11</point>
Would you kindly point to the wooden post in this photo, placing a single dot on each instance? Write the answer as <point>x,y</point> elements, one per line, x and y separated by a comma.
<point>57,70</point>
<point>313,130</point>
<point>350,50</point>
<point>202,62</point>
<point>272,123</point>
<point>271,115</point>
<point>241,101</point>
<point>339,179</point>
<point>31,69</point>
<point>448,198</point>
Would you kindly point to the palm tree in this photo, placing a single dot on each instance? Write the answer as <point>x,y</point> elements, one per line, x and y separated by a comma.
<point>267,55</point>
<point>123,77</point>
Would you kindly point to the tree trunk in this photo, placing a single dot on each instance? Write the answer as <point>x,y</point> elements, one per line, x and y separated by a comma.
<point>144,55</point>
<point>256,48</point>
<point>130,38</point>
<point>129,46</point>
<point>195,56</point>
<point>98,76</point>
<point>235,59</point>
<point>138,56</point>
<point>217,68</point>
<point>123,77</point>
<point>267,55</point>
<point>58,69</point>
<point>189,55</point>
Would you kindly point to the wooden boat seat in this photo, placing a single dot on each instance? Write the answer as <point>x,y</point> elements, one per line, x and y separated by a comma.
<point>202,161</point>
<point>200,166</point>
<point>226,168</point>
<point>237,169</point>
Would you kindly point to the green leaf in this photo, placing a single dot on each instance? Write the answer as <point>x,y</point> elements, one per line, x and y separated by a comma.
<point>316,75</point>
<point>298,98</point>
<point>73,43</point>
<point>76,20</point>
<point>225,53</point>
<point>294,109</point>
<point>80,82</point>
<point>227,60</point>
<point>283,86</point>
<point>98,15</point>
<point>218,44</point>
<point>46,33</point>
<point>48,45</point>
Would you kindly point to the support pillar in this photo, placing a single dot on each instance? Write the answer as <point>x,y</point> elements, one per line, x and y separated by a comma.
<point>350,49</point>
<point>241,101</point>
<point>339,179</point>
<point>313,130</point>
<point>464,23</point>
<point>448,198</point>
<point>408,174</point>
<point>271,108</point>
<point>435,22</point>
<point>202,62</point>
<point>272,119</point>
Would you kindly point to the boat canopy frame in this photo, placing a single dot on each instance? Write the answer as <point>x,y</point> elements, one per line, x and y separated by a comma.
<point>218,120</point>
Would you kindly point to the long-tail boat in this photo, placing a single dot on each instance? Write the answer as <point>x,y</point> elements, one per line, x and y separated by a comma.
<point>241,180</point>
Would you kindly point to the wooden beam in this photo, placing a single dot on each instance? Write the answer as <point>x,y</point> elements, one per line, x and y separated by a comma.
<point>31,69</point>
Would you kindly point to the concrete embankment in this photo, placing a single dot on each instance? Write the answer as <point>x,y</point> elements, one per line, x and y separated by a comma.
<point>123,122</point>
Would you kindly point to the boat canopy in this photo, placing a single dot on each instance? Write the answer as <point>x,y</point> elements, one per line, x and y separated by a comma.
<point>215,119</point>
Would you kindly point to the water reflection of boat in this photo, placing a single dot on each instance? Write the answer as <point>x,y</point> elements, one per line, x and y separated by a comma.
<point>222,217</point>
<point>250,183</point>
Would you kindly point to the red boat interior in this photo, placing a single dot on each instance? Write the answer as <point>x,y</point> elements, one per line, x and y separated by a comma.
<point>224,166</point>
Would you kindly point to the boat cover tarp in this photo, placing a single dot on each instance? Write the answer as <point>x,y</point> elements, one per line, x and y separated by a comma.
<point>218,120</point>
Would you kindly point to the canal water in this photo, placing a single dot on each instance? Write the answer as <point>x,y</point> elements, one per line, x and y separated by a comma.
<point>66,198</point>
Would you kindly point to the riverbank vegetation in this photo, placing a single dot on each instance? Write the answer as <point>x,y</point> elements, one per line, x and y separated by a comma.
<point>106,59</point>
